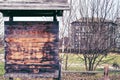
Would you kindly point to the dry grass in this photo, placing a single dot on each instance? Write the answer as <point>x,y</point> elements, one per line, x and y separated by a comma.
<point>74,76</point>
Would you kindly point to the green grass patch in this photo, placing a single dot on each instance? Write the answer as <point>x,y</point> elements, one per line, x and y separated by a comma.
<point>2,50</point>
<point>76,62</point>
<point>2,71</point>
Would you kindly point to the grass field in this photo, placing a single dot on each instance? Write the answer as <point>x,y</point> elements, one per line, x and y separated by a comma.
<point>1,50</point>
<point>1,68</point>
<point>75,63</point>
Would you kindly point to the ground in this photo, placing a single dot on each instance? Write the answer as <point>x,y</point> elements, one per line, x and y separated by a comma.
<point>74,76</point>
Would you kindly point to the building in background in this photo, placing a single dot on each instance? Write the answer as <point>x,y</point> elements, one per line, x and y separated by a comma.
<point>117,35</point>
<point>92,34</point>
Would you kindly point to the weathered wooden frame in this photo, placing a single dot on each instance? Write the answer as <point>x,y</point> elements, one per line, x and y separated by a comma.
<point>55,75</point>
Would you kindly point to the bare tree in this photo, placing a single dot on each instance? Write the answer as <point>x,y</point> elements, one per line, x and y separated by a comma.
<point>1,30</point>
<point>98,37</point>
<point>67,18</point>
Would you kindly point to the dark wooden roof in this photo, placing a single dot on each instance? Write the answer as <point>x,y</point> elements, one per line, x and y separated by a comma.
<point>33,7</point>
<point>19,13</point>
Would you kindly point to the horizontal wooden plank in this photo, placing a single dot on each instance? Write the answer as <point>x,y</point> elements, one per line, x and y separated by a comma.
<point>13,45</point>
<point>26,60</point>
<point>35,1</point>
<point>34,45</point>
<point>50,24</point>
<point>31,67</point>
<point>50,33</point>
<point>32,40</point>
<point>42,65</point>
<point>34,5</point>
<point>34,71</point>
<point>31,13</point>
<point>28,50</point>
<point>28,75</point>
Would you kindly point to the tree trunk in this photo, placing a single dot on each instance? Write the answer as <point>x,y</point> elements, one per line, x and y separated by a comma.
<point>85,60</point>
<point>66,62</point>
<point>90,63</point>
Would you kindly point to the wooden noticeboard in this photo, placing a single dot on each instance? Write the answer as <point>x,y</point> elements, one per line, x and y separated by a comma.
<point>31,47</point>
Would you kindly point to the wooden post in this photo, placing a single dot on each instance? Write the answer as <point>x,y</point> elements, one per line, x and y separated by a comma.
<point>55,16</point>
<point>106,67</point>
<point>59,72</point>
<point>59,76</point>
<point>10,78</point>
<point>106,70</point>
<point>11,18</point>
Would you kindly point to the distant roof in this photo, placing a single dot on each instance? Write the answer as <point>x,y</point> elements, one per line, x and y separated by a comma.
<point>34,5</point>
<point>85,19</point>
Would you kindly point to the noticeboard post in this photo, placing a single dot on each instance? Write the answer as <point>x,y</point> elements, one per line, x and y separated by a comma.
<point>31,49</point>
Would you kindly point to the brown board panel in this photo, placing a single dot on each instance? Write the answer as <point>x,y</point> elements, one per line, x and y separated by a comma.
<point>31,47</point>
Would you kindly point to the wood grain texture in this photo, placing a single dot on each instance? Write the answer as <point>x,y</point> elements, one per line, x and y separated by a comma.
<point>31,47</point>
<point>25,75</point>
<point>34,4</point>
